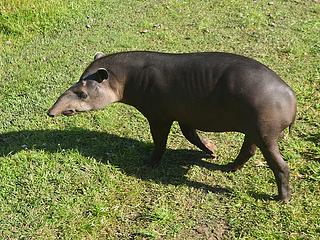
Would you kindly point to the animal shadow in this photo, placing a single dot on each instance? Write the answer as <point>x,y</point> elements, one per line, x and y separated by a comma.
<point>125,153</point>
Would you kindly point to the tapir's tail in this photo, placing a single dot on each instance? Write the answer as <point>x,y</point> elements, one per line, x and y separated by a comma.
<point>293,119</point>
<point>290,126</point>
<point>282,134</point>
<point>292,123</point>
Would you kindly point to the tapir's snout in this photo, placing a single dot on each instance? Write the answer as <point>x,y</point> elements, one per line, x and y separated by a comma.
<point>63,106</point>
<point>70,112</point>
<point>54,110</point>
<point>50,114</point>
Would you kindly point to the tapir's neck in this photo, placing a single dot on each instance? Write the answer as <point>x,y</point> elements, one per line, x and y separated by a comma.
<point>137,85</point>
<point>137,75</point>
<point>132,78</point>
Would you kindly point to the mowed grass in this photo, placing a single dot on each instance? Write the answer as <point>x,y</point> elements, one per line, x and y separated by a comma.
<point>83,177</point>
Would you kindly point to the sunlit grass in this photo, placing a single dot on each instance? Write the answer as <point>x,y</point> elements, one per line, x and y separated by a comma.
<point>83,177</point>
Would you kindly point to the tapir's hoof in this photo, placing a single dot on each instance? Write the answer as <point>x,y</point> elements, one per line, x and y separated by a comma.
<point>210,146</point>
<point>284,198</point>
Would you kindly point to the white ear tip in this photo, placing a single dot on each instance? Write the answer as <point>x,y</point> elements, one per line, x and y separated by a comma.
<point>98,55</point>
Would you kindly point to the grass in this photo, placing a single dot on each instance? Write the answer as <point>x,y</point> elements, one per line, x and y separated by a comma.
<point>83,177</point>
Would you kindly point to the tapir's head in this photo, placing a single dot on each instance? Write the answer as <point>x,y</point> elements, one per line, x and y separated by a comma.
<point>96,88</point>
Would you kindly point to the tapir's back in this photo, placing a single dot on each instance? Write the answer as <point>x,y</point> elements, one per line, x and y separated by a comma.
<point>193,75</point>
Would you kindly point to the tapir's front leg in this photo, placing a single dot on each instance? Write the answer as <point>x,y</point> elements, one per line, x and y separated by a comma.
<point>159,132</point>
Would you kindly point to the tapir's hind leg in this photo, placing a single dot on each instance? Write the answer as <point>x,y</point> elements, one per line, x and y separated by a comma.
<point>270,151</point>
<point>159,132</point>
<point>192,136</point>
<point>247,150</point>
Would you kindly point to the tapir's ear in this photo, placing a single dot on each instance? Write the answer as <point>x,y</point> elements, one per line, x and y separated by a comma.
<point>98,55</point>
<point>102,74</point>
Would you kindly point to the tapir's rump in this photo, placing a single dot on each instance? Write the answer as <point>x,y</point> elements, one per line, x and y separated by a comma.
<point>214,92</point>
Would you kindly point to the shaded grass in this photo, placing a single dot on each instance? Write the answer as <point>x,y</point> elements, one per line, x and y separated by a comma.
<point>83,177</point>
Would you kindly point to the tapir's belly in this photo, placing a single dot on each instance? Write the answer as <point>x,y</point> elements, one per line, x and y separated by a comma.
<point>209,122</point>
<point>210,117</point>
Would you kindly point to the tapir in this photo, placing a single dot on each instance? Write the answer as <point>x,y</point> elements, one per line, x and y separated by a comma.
<point>207,91</point>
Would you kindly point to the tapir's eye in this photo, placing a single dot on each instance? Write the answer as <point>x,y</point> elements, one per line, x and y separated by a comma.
<point>82,95</point>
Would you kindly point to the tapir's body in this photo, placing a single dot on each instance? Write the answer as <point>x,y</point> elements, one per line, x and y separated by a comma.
<point>214,92</point>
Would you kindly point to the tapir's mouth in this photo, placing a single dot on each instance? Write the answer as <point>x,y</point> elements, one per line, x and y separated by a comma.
<point>69,112</point>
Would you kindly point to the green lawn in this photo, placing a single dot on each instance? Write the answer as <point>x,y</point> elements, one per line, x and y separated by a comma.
<point>83,177</point>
